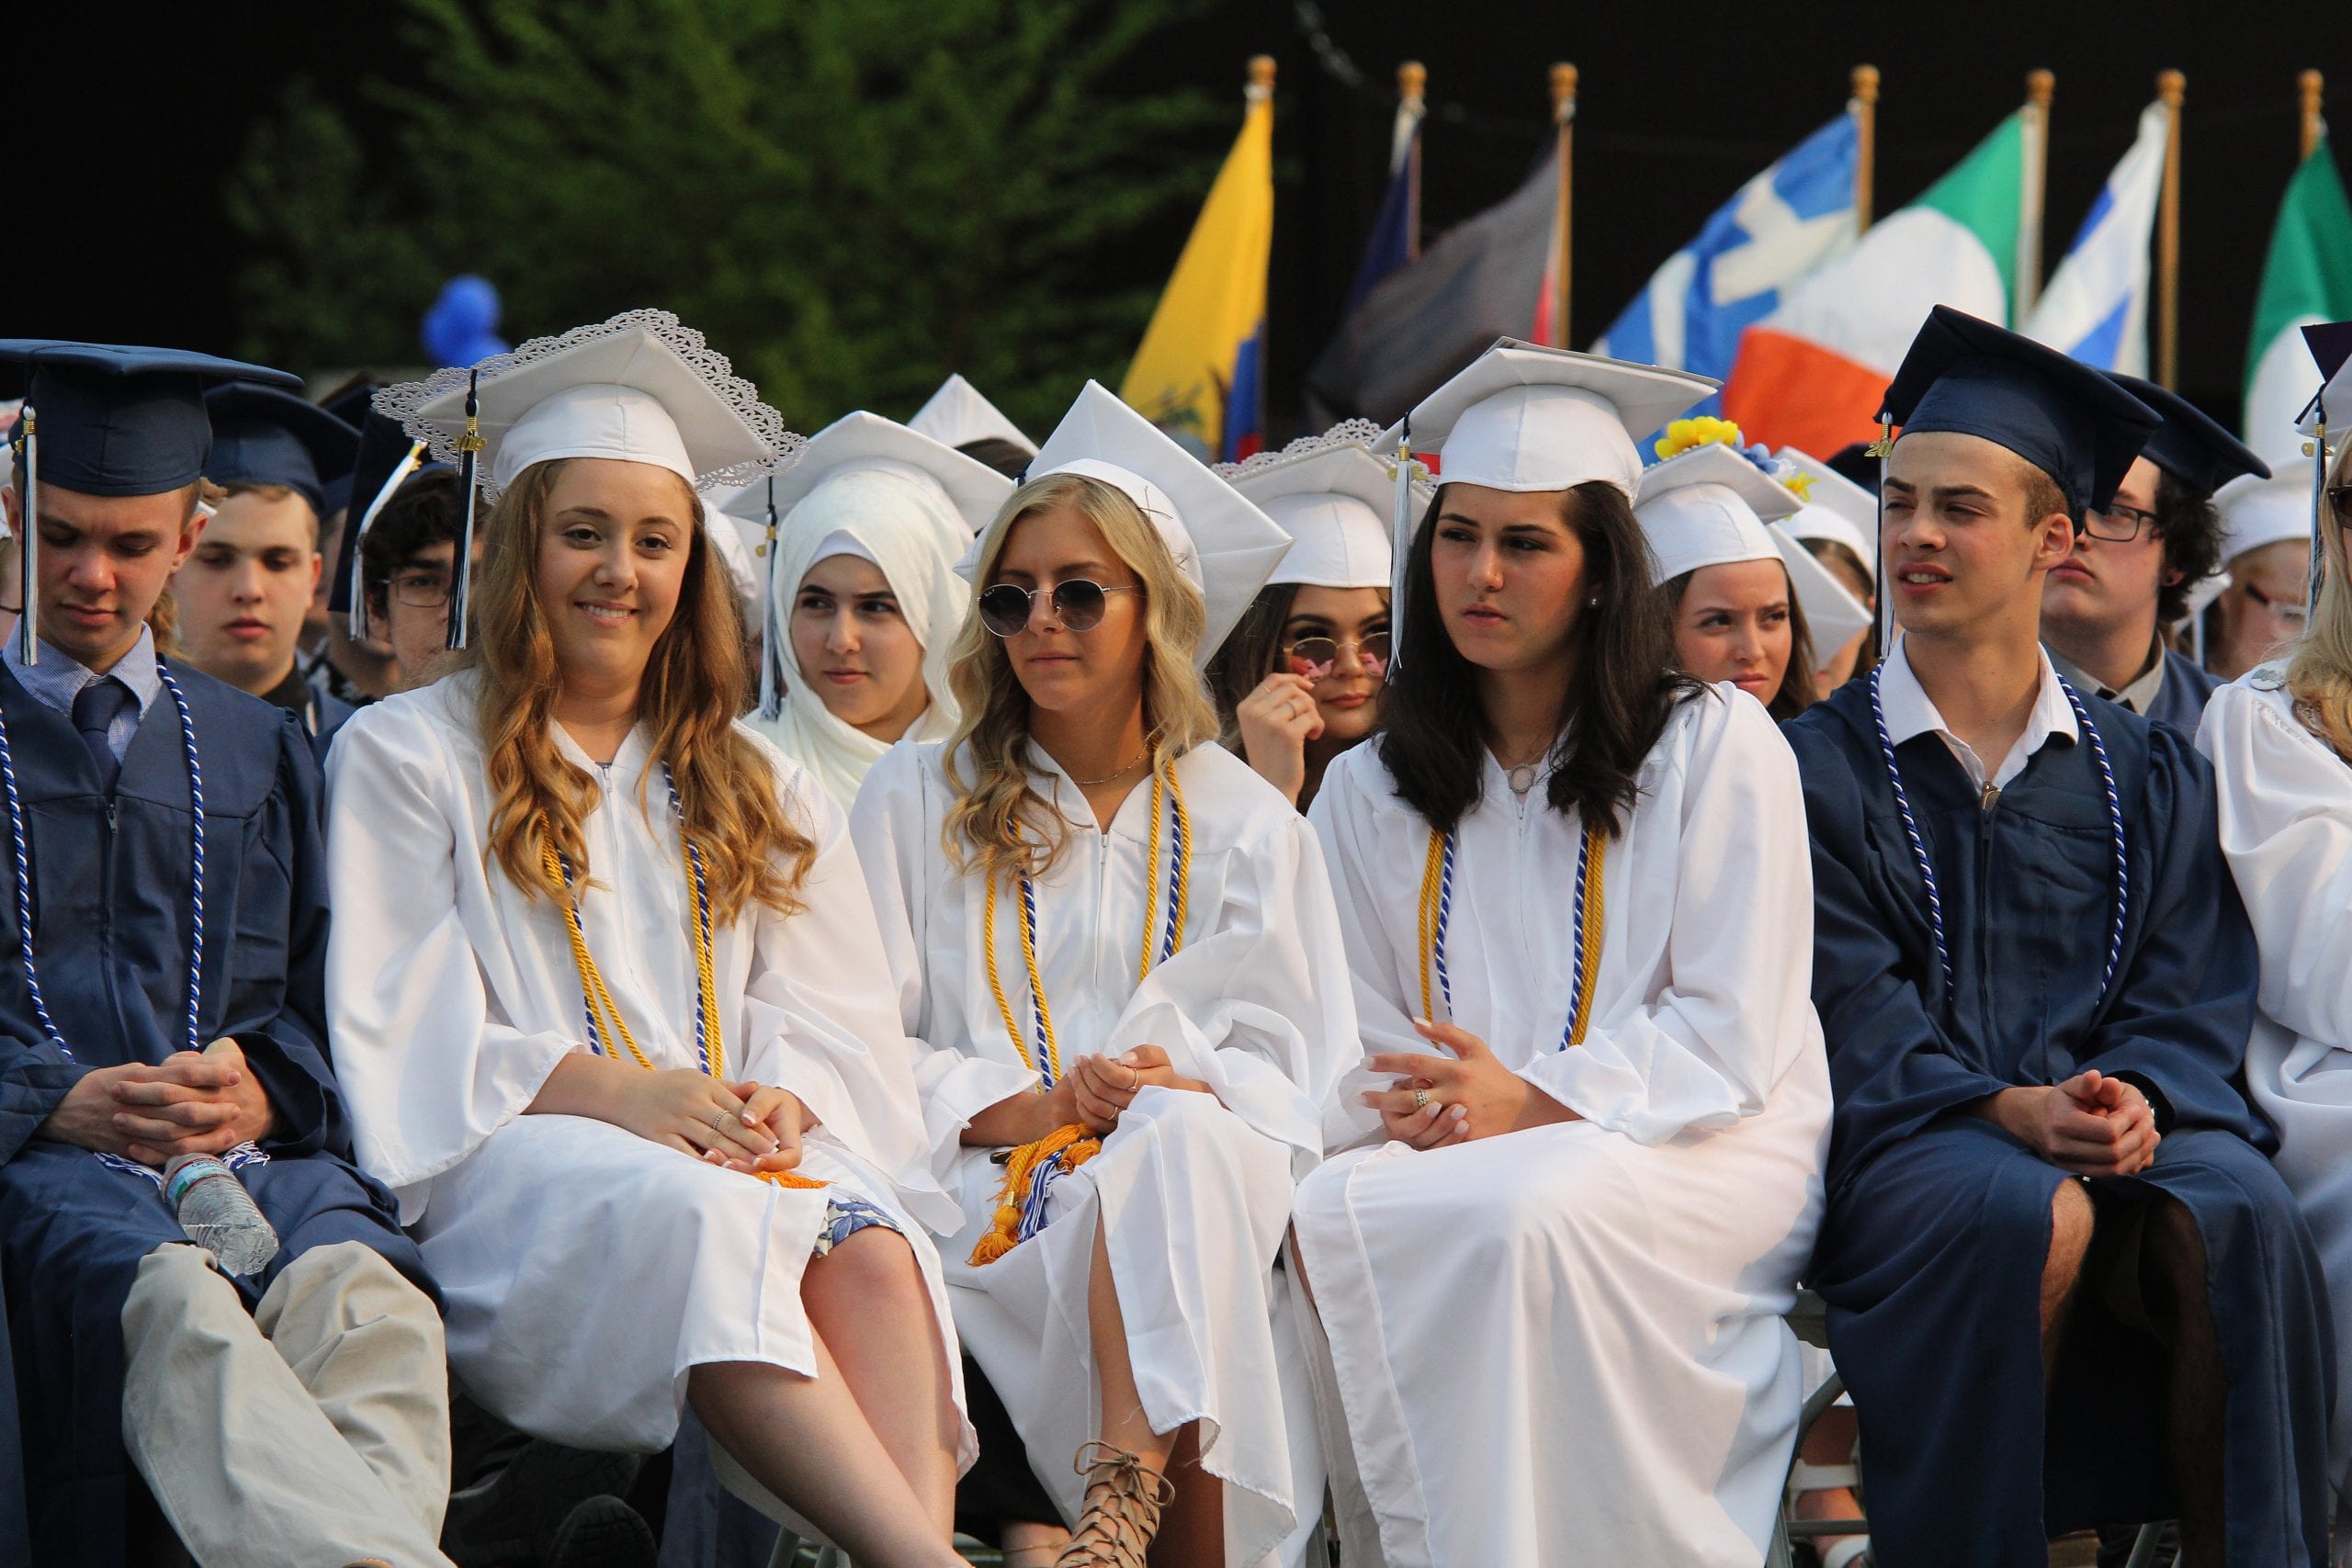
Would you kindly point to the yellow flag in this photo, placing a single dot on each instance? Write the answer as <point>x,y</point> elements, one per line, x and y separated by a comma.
<point>1199,371</point>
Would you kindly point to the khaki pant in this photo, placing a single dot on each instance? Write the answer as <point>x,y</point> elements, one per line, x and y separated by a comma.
<point>312,1433</point>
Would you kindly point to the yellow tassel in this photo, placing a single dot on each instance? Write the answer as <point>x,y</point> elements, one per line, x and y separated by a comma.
<point>788,1178</point>
<point>1074,1144</point>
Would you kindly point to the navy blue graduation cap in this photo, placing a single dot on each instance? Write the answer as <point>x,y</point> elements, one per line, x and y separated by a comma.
<point>2190,444</point>
<point>101,419</point>
<point>261,436</point>
<point>348,403</point>
<point>1973,378</point>
<point>387,459</point>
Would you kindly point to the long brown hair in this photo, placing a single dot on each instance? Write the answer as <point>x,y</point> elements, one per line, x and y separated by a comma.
<point>997,824</point>
<point>752,851</point>
<point>1797,691</point>
<point>1432,724</point>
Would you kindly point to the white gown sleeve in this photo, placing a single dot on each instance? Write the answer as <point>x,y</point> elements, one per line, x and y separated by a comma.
<point>429,1065</point>
<point>897,844</point>
<point>1345,821</point>
<point>817,1013</point>
<point>1737,1005</point>
<point>1259,1009</point>
<point>2285,805</point>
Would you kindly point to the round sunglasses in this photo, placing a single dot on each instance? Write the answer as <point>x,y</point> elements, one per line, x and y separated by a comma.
<point>1314,657</point>
<point>1078,604</point>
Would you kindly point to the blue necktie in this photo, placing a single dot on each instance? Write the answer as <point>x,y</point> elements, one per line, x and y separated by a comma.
<point>95,708</point>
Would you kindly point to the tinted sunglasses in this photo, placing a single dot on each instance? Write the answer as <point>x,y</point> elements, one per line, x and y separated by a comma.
<point>1078,604</point>
<point>1314,657</point>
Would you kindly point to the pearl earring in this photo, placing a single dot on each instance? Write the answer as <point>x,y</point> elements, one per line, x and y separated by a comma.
<point>1593,602</point>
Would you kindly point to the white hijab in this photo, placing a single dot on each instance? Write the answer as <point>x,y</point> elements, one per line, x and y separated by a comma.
<point>901,521</point>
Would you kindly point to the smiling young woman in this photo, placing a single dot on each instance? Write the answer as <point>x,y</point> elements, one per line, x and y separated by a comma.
<point>1118,943</point>
<point>592,930</point>
<point>1582,1153</point>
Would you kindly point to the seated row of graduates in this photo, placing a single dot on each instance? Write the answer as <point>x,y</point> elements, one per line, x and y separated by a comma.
<point>659,1077</point>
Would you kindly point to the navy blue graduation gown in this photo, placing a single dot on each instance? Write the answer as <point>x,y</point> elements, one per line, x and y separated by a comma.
<point>2180,699</point>
<point>1939,1223</point>
<point>110,891</point>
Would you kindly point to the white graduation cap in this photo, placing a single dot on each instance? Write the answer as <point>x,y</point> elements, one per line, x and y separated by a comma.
<point>1527,418</point>
<point>1332,497</point>
<point>1223,543</point>
<point>1833,508</point>
<point>1711,506</point>
<point>640,387</point>
<point>861,465</point>
<point>956,415</point>
<point>2258,512</point>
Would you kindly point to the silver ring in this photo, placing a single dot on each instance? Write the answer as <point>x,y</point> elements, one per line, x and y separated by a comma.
<point>1420,1100</point>
<point>718,1120</point>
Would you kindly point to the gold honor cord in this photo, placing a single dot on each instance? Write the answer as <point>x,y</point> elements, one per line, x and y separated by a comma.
<point>1066,1148</point>
<point>1436,908</point>
<point>604,1014</point>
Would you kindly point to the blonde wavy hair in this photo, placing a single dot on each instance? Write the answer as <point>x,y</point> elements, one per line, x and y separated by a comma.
<point>2320,673</point>
<point>997,823</point>
<point>752,851</point>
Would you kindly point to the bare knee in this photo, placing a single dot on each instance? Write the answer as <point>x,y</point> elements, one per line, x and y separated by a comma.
<point>866,1267</point>
<point>2071,1222</point>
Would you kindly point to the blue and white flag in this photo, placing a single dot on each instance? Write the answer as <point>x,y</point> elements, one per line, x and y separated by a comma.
<point>2096,308</point>
<point>1782,224</point>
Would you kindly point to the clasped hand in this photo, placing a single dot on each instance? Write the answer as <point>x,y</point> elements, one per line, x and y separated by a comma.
<point>1435,1102</point>
<point>2093,1124</point>
<point>190,1103</point>
<point>1094,1092</point>
<point>744,1126</point>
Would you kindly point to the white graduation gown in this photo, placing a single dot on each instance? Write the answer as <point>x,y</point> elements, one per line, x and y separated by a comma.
<point>2285,802</point>
<point>1194,1190</point>
<point>586,1269</point>
<point>1565,1345</point>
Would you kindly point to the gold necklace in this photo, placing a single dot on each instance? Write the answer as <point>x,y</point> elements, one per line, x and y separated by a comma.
<point>1123,773</point>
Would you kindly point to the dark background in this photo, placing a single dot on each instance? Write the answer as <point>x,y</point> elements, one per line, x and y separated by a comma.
<point>125,123</point>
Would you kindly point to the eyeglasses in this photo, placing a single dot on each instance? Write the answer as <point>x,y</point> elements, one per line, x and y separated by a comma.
<point>1078,604</point>
<point>421,590</point>
<point>1314,657</point>
<point>2118,525</point>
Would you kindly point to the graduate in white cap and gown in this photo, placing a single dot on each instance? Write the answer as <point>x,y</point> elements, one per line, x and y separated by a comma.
<point>1119,945</point>
<point>1838,523</point>
<point>1579,1169</point>
<point>2281,741</point>
<point>2256,610</point>
<point>959,416</point>
<point>606,989</point>
<point>861,601</point>
<point>1299,679</point>
<point>1748,602</point>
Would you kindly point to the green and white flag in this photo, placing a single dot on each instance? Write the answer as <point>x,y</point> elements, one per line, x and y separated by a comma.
<point>2307,278</point>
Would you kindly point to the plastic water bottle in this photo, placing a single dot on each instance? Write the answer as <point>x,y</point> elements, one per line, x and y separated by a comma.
<point>219,1215</point>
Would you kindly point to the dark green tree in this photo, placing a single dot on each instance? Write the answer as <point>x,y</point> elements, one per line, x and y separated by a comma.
<point>850,197</point>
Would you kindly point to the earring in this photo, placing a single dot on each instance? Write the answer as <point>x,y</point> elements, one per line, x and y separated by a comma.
<point>1593,602</point>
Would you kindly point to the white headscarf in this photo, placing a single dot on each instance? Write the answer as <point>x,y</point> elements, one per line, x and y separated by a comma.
<point>903,522</point>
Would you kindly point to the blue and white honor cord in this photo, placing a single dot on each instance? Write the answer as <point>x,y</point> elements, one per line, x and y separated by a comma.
<point>21,845</point>
<point>1927,865</point>
<point>1582,937</point>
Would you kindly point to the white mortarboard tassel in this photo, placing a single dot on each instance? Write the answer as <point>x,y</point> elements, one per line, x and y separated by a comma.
<point>1335,499</point>
<point>854,469</point>
<point>1713,506</point>
<point>1222,543</point>
<point>640,387</point>
<point>376,503</point>
<point>957,414</point>
<point>1530,419</point>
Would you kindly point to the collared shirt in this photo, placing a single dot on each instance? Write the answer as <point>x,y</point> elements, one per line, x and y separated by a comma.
<point>1910,712</point>
<point>296,695</point>
<point>57,680</point>
<point>2139,695</point>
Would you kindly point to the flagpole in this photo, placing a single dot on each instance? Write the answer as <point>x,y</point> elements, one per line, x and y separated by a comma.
<point>1262,91</point>
<point>2039,86</point>
<point>1864,81</point>
<point>2171,87</point>
<point>1412,104</point>
<point>1564,115</point>
<point>2312,84</point>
